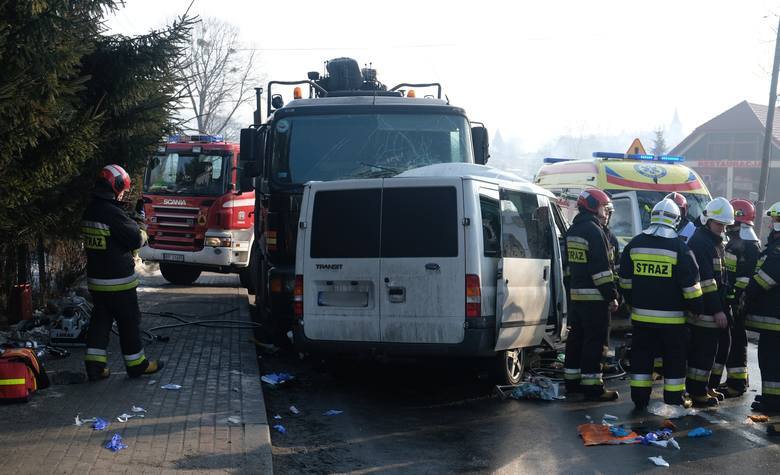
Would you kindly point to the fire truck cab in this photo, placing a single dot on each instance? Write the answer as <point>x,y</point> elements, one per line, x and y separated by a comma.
<point>197,217</point>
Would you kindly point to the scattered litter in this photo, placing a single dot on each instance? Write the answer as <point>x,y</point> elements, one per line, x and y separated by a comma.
<point>276,378</point>
<point>609,417</point>
<point>538,387</point>
<point>278,417</point>
<point>587,416</point>
<point>235,388</point>
<point>235,371</point>
<point>561,357</point>
<point>294,410</point>
<point>759,418</point>
<point>618,431</point>
<point>99,424</point>
<point>173,387</point>
<point>81,422</point>
<point>659,461</point>
<point>662,409</point>
<point>234,420</point>
<point>280,429</point>
<point>116,444</point>
<point>137,409</point>
<point>700,432</point>
<point>152,382</point>
<point>332,412</point>
<point>125,417</point>
<point>667,424</point>
<point>597,434</point>
<point>666,443</point>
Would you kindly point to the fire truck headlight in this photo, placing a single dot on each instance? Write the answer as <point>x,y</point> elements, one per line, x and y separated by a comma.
<point>218,242</point>
<point>212,241</point>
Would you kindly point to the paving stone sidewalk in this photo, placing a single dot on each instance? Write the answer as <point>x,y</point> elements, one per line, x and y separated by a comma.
<point>216,423</point>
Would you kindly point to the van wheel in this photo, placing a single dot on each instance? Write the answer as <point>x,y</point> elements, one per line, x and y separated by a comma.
<point>179,274</point>
<point>509,367</point>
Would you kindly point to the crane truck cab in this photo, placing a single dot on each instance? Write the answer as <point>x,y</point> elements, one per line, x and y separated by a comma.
<point>636,182</point>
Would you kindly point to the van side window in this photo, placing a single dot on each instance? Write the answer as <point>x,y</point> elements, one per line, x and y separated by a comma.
<point>525,226</point>
<point>491,226</point>
<point>345,224</point>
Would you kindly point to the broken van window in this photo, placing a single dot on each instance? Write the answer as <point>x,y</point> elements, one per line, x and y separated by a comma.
<point>525,227</point>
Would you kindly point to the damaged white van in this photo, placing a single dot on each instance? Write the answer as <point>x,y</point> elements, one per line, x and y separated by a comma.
<point>448,259</point>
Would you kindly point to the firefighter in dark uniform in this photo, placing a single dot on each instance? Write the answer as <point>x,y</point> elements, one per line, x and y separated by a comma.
<point>741,258</point>
<point>686,228</point>
<point>706,328</point>
<point>593,295</point>
<point>110,237</point>
<point>659,280</point>
<point>763,316</point>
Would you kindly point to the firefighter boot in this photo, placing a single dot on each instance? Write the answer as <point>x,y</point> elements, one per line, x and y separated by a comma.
<point>730,392</point>
<point>704,400</point>
<point>153,367</point>
<point>97,376</point>
<point>687,402</point>
<point>606,396</point>
<point>716,394</point>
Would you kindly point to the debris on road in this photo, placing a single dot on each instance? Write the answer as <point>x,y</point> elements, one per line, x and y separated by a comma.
<point>275,379</point>
<point>173,387</point>
<point>758,418</point>
<point>667,424</point>
<point>278,417</point>
<point>332,412</point>
<point>234,420</point>
<point>116,444</point>
<point>152,382</point>
<point>536,388</point>
<point>700,432</point>
<point>294,410</point>
<point>280,429</point>
<point>662,409</point>
<point>659,461</point>
<point>99,424</point>
<point>618,431</point>
<point>137,409</point>
<point>609,417</point>
<point>598,434</point>
<point>125,417</point>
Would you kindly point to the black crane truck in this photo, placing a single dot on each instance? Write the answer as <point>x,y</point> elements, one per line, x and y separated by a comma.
<point>349,126</point>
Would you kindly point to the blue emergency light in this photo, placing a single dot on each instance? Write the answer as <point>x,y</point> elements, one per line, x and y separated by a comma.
<point>636,156</point>
<point>557,160</point>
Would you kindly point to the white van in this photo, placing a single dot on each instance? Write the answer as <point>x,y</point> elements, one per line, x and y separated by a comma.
<point>424,262</point>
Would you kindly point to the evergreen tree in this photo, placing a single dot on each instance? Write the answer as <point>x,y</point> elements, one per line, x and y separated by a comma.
<point>659,143</point>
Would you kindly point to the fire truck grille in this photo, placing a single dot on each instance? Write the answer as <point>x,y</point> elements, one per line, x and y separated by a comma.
<point>174,228</point>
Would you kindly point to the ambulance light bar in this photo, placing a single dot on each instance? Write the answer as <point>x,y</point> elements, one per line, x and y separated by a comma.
<point>634,156</point>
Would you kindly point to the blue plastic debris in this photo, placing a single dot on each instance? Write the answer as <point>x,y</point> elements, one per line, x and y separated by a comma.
<point>618,431</point>
<point>115,444</point>
<point>99,424</point>
<point>280,429</point>
<point>276,378</point>
<point>700,432</point>
<point>332,412</point>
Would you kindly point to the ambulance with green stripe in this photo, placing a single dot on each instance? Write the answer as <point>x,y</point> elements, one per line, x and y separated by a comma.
<point>636,182</point>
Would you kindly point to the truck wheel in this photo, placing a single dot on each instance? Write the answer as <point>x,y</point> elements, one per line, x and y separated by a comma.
<point>179,274</point>
<point>509,366</point>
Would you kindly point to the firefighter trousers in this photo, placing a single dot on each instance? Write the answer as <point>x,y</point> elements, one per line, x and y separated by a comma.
<point>721,357</point>
<point>701,357</point>
<point>736,364</point>
<point>585,346</point>
<point>769,363</point>
<point>121,307</point>
<point>668,341</point>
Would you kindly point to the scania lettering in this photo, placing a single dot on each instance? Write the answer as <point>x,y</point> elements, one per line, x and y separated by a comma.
<point>208,224</point>
<point>350,125</point>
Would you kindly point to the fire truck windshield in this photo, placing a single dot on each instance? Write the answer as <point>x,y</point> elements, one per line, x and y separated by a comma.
<point>334,147</point>
<point>181,174</point>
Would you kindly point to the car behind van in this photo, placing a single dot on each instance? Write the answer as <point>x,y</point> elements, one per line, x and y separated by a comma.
<point>449,259</point>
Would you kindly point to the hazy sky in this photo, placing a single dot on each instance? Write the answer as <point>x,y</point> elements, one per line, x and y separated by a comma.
<point>534,70</point>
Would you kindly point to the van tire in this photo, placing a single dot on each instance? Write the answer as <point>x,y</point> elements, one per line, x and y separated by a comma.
<point>509,366</point>
<point>179,274</point>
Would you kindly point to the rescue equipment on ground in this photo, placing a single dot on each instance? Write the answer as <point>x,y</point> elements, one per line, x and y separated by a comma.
<point>21,374</point>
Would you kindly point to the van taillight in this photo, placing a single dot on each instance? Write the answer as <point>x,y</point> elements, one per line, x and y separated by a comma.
<point>473,296</point>
<point>298,297</point>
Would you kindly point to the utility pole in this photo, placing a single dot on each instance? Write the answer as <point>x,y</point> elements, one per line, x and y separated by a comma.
<point>770,119</point>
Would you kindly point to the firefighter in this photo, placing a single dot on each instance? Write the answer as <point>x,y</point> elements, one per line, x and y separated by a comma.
<point>707,246</point>
<point>657,263</point>
<point>741,258</point>
<point>763,316</point>
<point>593,295</point>
<point>110,237</point>
<point>686,227</point>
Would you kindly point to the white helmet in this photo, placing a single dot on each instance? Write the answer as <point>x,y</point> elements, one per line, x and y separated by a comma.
<point>720,210</point>
<point>664,219</point>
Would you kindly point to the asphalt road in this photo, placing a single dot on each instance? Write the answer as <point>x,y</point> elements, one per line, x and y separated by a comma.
<point>435,416</point>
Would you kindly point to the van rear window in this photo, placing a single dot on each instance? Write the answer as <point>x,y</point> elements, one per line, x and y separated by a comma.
<point>346,224</point>
<point>420,222</point>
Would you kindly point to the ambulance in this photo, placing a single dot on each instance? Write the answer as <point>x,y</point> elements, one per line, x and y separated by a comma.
<point>636,182</point>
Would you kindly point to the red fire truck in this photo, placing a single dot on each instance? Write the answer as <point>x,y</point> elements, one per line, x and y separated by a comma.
<point>197,217</point>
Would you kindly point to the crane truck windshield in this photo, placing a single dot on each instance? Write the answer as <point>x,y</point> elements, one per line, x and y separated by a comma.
<point>174,173</point>
<point>341,146</point>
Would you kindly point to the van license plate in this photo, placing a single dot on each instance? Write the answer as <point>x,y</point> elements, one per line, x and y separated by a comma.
<point>173,257</point>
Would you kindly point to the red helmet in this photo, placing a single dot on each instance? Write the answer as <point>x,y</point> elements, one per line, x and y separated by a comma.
<point>591,198</point>
<point>116,177</point>
<point>680,201</point>
<point>744,211</point>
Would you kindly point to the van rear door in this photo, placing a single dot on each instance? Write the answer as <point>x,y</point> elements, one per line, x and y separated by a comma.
<point>422,267</point>
<point>523,278</point>
<point>341,261</point>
